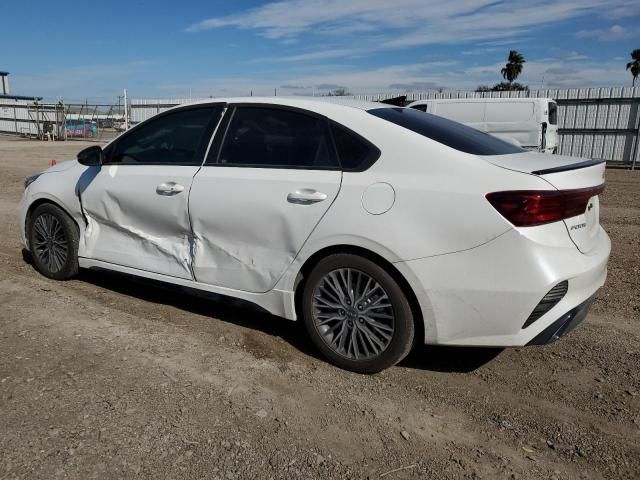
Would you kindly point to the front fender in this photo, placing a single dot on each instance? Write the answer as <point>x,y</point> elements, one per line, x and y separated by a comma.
<point>60,188</point>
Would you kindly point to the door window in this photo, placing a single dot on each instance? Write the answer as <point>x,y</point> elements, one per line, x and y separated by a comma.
<point>176,138</point>
<point>280,138</point>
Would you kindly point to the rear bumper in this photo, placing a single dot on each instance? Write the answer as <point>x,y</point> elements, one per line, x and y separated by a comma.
<point>484,296</point>
<point>564,324</point>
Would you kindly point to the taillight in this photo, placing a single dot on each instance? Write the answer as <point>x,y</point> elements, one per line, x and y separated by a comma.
<point>527,208</point>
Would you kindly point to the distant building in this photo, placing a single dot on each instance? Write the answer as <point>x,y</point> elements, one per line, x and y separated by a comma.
<point>4,90</point>
<point>4,83</point>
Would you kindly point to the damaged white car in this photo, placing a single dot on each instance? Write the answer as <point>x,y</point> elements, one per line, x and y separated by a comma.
<point>380,227</point>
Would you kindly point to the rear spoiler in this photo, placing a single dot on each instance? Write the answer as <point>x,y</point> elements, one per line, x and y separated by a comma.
<point>400,101</point>
<point>571,166</point>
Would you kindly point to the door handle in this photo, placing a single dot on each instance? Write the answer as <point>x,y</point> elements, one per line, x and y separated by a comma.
<point>306,196</point>
<point>169,188</point>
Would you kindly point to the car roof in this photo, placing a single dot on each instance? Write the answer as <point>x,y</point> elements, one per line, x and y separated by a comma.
<point>317,104</point>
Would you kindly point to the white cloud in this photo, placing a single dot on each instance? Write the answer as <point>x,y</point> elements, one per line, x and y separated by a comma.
<point>405,23</point>
<point>320,55</point>
<point>554,72</point>
<point>616,32</point>
<point>575,56</point>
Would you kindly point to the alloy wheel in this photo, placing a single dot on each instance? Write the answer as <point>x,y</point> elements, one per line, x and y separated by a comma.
<point>353,314</point>
<point>50,244</point>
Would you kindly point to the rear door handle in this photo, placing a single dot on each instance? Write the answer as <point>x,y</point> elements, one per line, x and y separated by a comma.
<point>306,196</point>
<point>169,188</point>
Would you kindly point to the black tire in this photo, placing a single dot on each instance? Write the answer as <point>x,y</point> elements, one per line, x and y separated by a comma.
<point>401,338</point>
<point>62,236</point>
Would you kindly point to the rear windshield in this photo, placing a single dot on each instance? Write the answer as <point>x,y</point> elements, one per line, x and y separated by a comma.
<point>449,133</point>
<point>553,113</point>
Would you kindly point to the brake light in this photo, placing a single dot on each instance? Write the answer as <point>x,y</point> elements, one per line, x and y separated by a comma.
<point>528,208</point>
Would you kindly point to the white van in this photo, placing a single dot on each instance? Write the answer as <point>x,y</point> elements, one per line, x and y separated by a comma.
<point>531,123</point>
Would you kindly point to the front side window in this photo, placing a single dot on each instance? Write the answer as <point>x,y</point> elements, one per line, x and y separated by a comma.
<point>281,138</point>
<point>175,138</point>
<point>452,134</point>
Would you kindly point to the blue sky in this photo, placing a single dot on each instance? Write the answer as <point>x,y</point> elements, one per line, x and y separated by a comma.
<point>163,48</point>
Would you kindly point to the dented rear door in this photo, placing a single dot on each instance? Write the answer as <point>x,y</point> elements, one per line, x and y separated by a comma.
<point>257,200</point>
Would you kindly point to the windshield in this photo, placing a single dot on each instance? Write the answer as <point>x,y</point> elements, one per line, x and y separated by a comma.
<point>449,133</point>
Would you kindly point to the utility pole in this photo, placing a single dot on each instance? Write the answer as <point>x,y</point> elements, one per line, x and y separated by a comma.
<point>126,111</point>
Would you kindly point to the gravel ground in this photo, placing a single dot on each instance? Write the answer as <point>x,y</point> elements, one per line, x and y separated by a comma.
<point>111,377</point>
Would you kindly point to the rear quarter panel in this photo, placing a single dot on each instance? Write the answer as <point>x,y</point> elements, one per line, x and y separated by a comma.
<point>439,206</point>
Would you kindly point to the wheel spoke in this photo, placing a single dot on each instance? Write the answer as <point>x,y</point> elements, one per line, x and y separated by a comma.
<point>329,320</point>
<point>376,344</point>
<point>326,303</point>
<point>354,341</point>
<point>39,228</point>
<point>332,281</point>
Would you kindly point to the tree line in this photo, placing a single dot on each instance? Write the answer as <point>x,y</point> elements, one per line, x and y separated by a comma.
<point>515,64</point>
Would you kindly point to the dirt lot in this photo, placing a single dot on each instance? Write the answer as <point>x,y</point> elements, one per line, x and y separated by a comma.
<point>109,377</point>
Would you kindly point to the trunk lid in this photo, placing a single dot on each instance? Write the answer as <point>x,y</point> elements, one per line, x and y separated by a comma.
<point>564,173</point>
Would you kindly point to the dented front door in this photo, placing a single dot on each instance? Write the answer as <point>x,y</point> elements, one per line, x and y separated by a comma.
<point>137,217</point>
<point>136,204</point>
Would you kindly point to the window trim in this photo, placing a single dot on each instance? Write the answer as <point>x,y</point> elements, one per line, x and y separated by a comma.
<point>201,150</point>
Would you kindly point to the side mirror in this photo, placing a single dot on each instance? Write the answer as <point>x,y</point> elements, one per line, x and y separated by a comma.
<point>91,156</point>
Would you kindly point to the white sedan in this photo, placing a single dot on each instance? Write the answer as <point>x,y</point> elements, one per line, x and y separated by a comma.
<point>380,227</point>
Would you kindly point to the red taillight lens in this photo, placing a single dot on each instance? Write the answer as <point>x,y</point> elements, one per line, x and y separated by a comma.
<point>527,208</point>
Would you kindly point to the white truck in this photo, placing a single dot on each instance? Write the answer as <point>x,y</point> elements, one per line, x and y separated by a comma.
<point>531,123</point>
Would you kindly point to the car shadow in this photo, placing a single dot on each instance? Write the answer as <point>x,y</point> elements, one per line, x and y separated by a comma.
<point>438,358</point>
<point>248,315</point>
<point>211,305</point>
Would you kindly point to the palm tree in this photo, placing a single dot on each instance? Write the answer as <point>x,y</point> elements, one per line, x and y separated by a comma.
<point>513,68</point>
<point>635,65</point>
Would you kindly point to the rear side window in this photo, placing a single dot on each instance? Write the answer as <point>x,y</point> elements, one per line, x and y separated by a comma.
<point>177,138</point>
<point>553,113</point>
<point>272,137</point>
<point>449,133</point>
<point>355,153</point>
<point>422,107</point>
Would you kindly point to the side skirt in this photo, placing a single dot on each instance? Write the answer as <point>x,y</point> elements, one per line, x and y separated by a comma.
<point>276,302</point>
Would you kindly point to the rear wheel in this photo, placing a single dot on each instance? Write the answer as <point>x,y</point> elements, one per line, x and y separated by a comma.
<point>356,314</point>
<point>53,242</point>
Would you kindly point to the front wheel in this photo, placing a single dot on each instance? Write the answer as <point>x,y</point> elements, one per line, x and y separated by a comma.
<point>53,242</point>
<point>357,314</point>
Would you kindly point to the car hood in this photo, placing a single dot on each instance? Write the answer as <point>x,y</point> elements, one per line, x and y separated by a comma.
<point>61,166</point>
